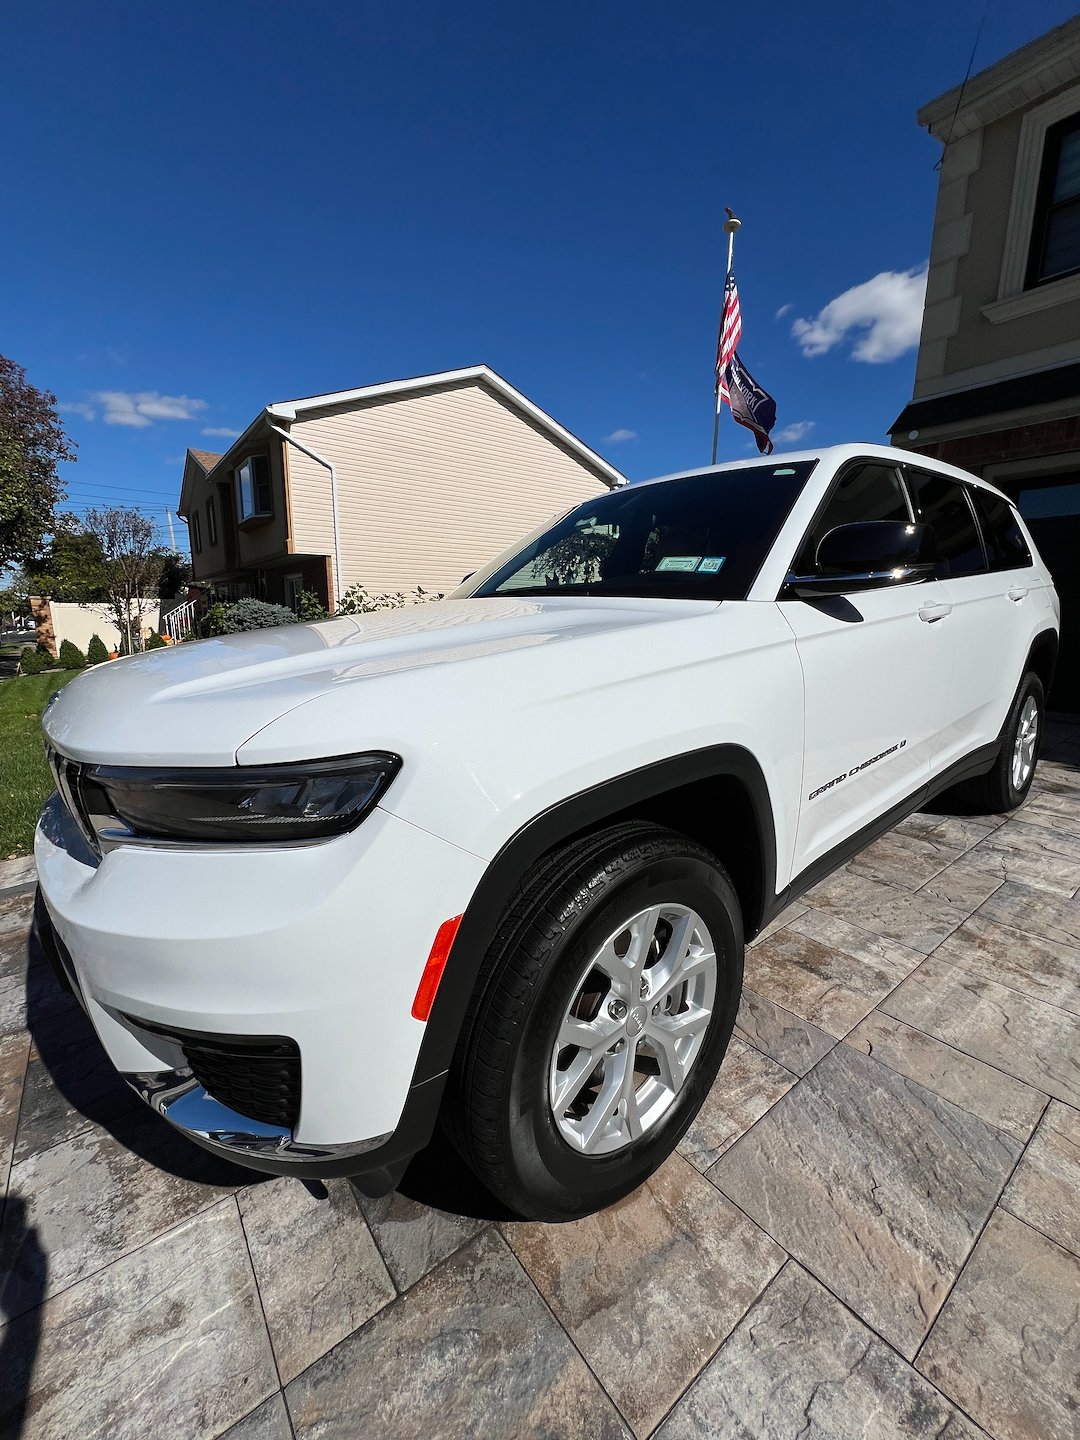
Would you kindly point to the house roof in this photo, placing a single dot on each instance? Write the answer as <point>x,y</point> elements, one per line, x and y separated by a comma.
<point>206,458</point>
<point>287,410</point>
<point>1025,76</point>
<point>197,466</point>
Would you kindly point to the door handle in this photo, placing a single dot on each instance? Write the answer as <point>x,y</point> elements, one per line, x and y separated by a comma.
<point>936,611</point>
<point>1016,593</point>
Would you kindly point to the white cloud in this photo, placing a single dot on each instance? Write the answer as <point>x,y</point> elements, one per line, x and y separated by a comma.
<point>141,408</point>
<point>77,407</point>
<point>784,310</point>
<point>798,430</point>
<point>885,314</point>
<point>224,430</point>
<point>620,437</point>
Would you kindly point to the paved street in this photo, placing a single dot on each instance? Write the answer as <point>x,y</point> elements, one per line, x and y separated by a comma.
<point>872,1230</point>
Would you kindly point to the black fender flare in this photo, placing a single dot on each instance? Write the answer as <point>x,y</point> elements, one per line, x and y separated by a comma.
<point>1047,639</point>
<point>575,815</point>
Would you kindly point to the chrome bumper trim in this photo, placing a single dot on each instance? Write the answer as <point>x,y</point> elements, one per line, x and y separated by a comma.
<point>179,1098</point>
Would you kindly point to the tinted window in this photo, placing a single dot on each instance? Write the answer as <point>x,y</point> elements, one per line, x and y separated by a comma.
<point>1005,543</point>
<point>865,492</point>
<point>943,505</point>
<point>1055,243</point>
<point>700,537</point>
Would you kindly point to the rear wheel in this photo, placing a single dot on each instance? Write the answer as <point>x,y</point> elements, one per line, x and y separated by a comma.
<point>1006,786</point>
<point>605,1007</point>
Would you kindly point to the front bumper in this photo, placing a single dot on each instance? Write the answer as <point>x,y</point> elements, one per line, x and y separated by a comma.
<point>322,943</point>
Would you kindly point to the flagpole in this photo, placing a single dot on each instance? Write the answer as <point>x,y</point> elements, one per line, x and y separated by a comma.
<point>731,224</point>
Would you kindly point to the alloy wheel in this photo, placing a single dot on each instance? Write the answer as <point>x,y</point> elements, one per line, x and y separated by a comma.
<point>633,1030</point>
<point>1027,735</point>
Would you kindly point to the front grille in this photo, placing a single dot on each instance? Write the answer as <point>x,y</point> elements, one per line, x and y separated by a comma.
<point>258,1076</point>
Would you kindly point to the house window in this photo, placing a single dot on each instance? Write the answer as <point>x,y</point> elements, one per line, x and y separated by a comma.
<point>196,533</point>
<point>1055,236</point>
<point>211,521</point>
<point>294,585</point>
<point>253,488</point>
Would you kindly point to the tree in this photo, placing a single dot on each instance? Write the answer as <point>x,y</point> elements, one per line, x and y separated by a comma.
<point>32,443</point>
<point>133,565</point>
<point>175,574</point>
<point>73,565</point>
<point>15,592</point>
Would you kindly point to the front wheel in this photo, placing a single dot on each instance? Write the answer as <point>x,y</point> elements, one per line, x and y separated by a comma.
<point>605,1006</point>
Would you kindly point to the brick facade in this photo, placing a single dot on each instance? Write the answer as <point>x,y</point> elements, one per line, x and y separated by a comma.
<point>1020,442</point>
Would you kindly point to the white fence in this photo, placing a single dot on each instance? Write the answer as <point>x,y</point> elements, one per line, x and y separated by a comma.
<point>78,623</point>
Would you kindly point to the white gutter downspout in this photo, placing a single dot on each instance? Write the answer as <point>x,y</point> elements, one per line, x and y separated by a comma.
<point>319,460</point>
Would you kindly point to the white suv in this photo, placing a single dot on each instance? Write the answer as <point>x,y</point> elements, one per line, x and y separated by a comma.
<point>496,857</point>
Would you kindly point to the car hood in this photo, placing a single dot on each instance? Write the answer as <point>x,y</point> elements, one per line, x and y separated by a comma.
<point>197,703</point>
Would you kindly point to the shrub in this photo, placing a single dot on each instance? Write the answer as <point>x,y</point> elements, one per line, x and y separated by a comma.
<point>252,615</point>
<point>154,641</point>
<point>33,662</point>
<point>215,621</point>
<point>71,657</point>
<point>95,651</point>
<point>257,615</point>
<point>309,607</point>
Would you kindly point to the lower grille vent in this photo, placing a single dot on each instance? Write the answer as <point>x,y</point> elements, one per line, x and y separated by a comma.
<point>258,1079</point>
<point>258,1076</point>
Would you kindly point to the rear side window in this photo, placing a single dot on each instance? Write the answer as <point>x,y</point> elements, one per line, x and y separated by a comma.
<point>943,504</point>
<point>865,492</point>
<point>1007,549</point>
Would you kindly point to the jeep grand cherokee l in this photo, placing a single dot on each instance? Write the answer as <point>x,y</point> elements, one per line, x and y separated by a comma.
<point>495,858</point>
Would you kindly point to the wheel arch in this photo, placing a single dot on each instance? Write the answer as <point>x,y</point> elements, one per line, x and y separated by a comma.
<point>1042,658</point>
<point>717,796</point>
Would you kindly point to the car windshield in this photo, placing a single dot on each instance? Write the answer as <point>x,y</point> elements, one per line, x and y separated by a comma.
<point>699,537</point>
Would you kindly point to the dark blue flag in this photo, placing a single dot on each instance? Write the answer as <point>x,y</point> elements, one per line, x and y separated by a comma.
<point>751,405</point>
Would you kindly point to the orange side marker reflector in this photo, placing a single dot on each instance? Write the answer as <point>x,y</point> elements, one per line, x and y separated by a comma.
<point>433,970</point>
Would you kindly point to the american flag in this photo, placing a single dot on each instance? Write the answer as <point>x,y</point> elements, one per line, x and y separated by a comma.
<point>730,335</point>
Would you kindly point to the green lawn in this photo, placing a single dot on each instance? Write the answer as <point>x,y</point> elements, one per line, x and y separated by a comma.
<point>25,782</point>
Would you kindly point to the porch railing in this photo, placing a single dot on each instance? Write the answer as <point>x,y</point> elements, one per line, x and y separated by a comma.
<point>178,623</point>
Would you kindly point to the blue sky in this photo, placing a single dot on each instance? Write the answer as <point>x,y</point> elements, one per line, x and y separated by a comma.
<point>223,205</point>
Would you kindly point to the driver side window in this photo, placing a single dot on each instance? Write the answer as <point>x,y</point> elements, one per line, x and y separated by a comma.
<point>866,491</point>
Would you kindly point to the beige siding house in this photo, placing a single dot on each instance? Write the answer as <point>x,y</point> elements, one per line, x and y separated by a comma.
<point>997,383</point>
<point>413,482</point>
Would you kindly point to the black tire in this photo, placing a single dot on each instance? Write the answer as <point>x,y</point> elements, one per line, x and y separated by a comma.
<point>497,1109</point>
<point>995,793</point>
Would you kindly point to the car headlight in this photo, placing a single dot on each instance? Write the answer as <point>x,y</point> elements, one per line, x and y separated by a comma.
<point>307,800</point>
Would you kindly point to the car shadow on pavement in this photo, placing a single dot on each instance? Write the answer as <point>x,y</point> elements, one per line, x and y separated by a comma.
<point>20,1337</point>
<point>438,1178</point>
<point>85,1084</point>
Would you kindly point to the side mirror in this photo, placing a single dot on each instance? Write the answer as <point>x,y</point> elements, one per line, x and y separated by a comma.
<point>868,556</point>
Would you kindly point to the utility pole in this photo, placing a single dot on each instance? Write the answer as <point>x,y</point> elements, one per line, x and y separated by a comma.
<point>731,225</point>
<point>172,537</point>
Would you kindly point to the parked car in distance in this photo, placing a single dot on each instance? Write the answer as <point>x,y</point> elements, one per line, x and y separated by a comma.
<point>495,858</point>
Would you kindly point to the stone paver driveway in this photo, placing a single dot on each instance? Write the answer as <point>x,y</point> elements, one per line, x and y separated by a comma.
<point>872,1230</point>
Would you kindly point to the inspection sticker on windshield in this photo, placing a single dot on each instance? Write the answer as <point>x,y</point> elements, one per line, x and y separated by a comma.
<point>711,564</point>
<point>679,562</point>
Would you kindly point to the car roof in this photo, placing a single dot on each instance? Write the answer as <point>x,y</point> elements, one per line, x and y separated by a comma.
<point>835,455</point>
